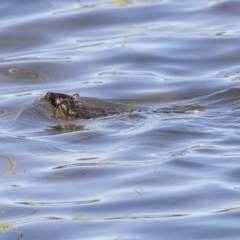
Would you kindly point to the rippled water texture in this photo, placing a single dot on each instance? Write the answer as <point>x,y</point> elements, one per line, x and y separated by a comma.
<point>168,170</point>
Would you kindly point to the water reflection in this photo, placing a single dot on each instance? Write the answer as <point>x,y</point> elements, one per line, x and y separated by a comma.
<point>2,112</point>
<point>22,73</point>
<point>11,165</point>
<point>122,2</point>
<point>62,128</point>
<point>128,2</point>
<point>5,226</point>
<point>66,7</point>
<point>206,2</point>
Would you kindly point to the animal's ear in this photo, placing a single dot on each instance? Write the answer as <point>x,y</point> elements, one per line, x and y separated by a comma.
<point>75,96</point>
<point>48,96</point>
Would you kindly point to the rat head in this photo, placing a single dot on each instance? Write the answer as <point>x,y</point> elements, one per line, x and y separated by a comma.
<point>60,100</point>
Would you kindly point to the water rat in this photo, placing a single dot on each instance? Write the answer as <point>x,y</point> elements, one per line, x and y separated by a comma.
<point>71,106</point>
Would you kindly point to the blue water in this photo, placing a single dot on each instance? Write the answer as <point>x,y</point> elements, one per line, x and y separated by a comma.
<point>168,170</point>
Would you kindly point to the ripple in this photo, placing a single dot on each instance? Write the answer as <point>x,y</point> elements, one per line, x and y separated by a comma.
<point>235,209</point>
<point>132,217</point>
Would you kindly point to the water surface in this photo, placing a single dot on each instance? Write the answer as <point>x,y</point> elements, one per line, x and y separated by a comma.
<point>168,171</point>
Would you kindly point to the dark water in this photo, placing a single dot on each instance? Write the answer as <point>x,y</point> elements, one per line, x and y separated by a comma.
<point>143,175</point>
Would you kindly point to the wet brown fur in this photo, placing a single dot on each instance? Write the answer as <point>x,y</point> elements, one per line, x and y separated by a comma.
<point>71,106</point>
